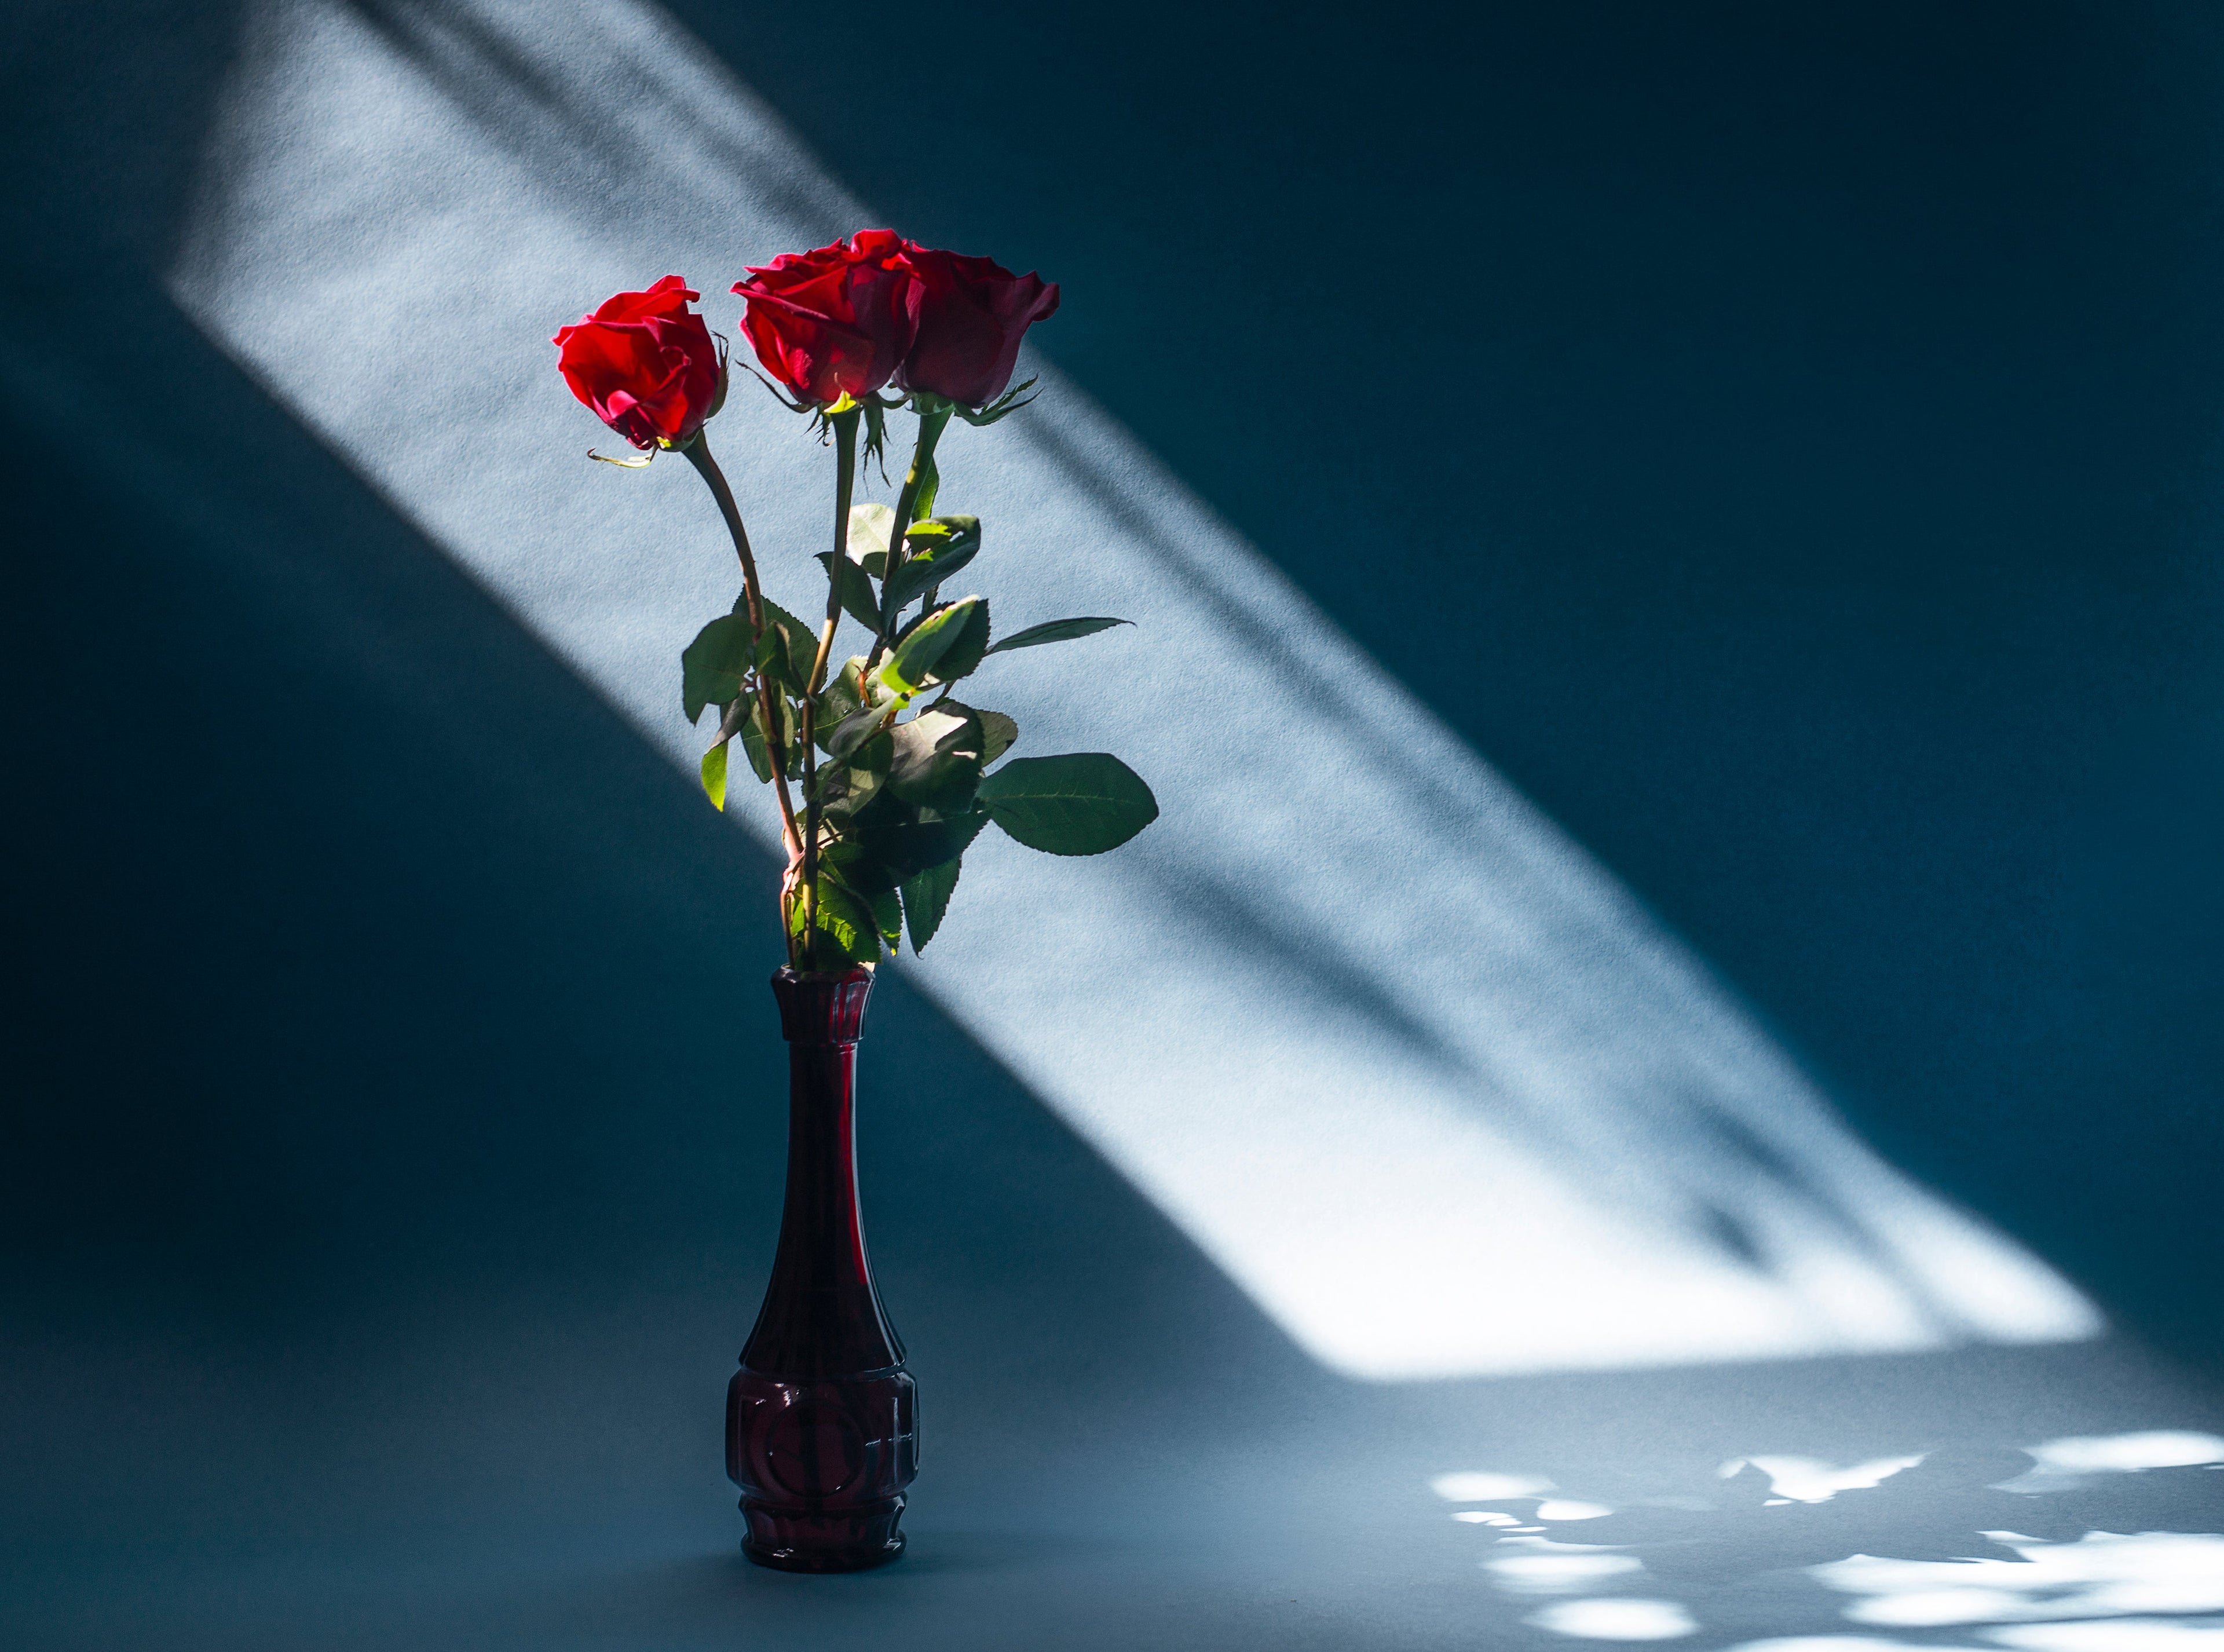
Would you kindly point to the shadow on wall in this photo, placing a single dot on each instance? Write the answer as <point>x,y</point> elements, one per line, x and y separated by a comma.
<point>364,952</point>
<point>1783,443</point>
<point>382,964</point>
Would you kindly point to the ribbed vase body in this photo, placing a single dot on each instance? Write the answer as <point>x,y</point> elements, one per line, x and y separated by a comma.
<point>822,1420</point>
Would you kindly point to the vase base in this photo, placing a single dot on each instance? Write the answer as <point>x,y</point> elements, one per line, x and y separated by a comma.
<point>853,1541</point>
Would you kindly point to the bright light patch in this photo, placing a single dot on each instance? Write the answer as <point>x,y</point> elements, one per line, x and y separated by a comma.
<point>1809,1479</point>
<point>1443,1099</point>
<point>2102,1575</point>
<point>1479,1487</point>
<point>1559,1572</point>
<point>1617,1620</point>
<point>2158,1635</point>
<point>2128,1453</point>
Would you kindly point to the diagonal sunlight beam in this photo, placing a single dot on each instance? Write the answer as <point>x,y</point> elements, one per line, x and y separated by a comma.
<point>1427,1084</point>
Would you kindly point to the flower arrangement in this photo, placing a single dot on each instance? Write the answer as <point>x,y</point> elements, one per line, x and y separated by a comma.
<point>882,777</point>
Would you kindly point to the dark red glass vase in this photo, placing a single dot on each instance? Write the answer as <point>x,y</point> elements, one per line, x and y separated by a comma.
<point>822,1420</point>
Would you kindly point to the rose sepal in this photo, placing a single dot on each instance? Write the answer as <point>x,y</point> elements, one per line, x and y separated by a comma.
<point>1002,407</point>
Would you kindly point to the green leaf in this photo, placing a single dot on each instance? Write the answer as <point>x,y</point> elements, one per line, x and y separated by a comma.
<point>843,791</point>
<point>935,548</point>
<point>753,744</point>
<point>869,526</point>
<point>712,666</point>
<point>790,736</point>
<point>786,659</point>
<point>887,918</point>
<point>846,784</point>
<point>925,898</point>
<point>836,701</point>
<point>997,730</point>
<point>1001,732</point>
<point>857,869</point>
<point>1057,630</point>
<point>1082,803</point>
<point>714,774</point>
<point>963,656</point>
<point>857,598</point>
<point>910,668</point>
<point>853,731</point>
<point>848,931</point>
<point>938,759</point>
<point>911,846</point>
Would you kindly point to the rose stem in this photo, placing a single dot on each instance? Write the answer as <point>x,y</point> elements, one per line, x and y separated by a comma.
<point>932,421</point>
<point>698,453</point>
<point>845,456</point>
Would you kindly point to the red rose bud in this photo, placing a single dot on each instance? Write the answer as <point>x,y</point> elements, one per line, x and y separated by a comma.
<point>972,313</point>
<point>645,364</point>
<point>834,322</point>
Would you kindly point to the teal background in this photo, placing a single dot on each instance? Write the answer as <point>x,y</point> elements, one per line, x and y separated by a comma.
<point>1781,439</point>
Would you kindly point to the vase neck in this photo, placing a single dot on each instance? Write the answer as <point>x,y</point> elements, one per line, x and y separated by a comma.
<point>822,1316</point>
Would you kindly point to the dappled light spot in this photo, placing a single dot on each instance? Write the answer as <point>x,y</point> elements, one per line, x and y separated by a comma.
<point>1478,1486</point>
<point>2064,1544</point>
<point>2103,1574</point>
<point>1806,1479</point>
<point>1560,1572</point>
<point>1617,1620</point>
<point>2145,1635</point>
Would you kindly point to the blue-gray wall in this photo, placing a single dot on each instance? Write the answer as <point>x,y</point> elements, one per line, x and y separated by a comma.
<point>1835,390</point>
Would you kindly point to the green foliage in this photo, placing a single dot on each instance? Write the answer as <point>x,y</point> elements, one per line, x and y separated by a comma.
<point>935,549</point>
<point>753,740</point>
<point>966,650</point>
<point>936,759</point>
<point>712,668</point>
<point>848,783</point>
<point>913,664</point>
<point>1009,402</point>
<point>925,898</point>
<point>1083,803</point>
<point>852,731</point>
<point>1000,731</point>
<point>714,774</point>
<point>868,537</point>
<point>857,598</point>
<point>837,701</point>
<point>907,844</point>
<point>897,790</point>
<point>786,649</point>
<point>753,745</point>
<point>858,870</point>
<point>887,919</point>
<point>1057,630</point>
<point>848,931</point>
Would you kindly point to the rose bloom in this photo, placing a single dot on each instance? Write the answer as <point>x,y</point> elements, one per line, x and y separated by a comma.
<point>834,321</point>
<point>644,362</point>
<point>971,314</point>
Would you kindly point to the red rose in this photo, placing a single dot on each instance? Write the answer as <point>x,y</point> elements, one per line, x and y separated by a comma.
<point>971,313</point>
<point>834,321</point>
<point>645,364</point>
